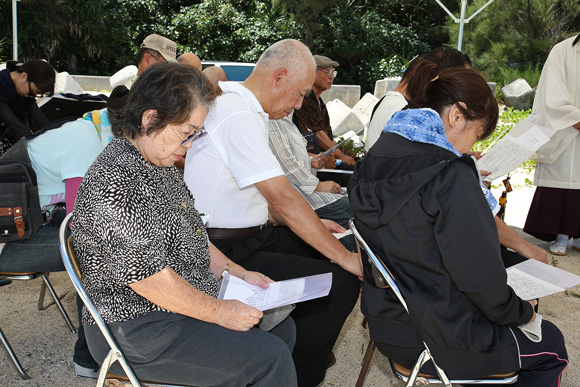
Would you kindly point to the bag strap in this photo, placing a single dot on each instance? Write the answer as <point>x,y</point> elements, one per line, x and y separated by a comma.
<point>18,219</point>
<point>53,125</point>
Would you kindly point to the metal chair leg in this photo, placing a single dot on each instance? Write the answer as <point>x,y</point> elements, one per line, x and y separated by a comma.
<point>12,355</point>
<point>41,296</point>
<point>41,305</point>
<point>366,363</point>
<point>58,303</point>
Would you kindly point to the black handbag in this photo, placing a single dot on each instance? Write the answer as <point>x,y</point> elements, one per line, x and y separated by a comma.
<point>20,212</point>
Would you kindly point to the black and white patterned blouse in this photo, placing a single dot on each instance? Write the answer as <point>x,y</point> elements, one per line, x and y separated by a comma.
<point>131,220</point>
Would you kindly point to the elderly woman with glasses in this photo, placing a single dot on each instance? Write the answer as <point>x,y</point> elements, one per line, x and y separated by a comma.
<point>147,262</point>
<point>20,83</point>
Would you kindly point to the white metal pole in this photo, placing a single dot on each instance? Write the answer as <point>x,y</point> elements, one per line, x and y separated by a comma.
<point>14,32</point>
<point>461,23</point>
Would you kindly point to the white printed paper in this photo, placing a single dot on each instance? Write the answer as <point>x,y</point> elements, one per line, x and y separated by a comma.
<point>523,140</point>
<point>278,293</point>
<point>533,279</point>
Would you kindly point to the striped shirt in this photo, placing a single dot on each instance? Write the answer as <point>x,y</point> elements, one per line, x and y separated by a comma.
<point>289,147</point>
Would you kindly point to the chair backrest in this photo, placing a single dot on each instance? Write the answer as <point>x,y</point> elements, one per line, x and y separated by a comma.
<point>383,276</point>
<point>73,269</point>
<point>386,277</point>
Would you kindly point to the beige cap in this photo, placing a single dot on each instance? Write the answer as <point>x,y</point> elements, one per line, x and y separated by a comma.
<point>324,61</point>
<point>167,48</point>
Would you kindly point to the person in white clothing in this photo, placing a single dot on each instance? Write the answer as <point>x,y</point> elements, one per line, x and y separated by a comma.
<point>555,210</point>
<point>239,184</point>
<point>397,99</point>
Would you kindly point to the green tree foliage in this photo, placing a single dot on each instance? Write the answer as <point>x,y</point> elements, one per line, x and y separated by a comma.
<point>74,35</point>
<point>367,46</point>
<point>370,38</point>
<point>306,12</point>
<point>237,30</point>
<point>424,17</point>
<point>516,32</point>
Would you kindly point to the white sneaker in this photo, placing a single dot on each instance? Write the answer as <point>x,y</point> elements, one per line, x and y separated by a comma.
<point>560,247</point>
<point>85,372</point>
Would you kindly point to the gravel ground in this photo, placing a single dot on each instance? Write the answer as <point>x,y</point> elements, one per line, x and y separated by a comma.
<point>45,345</point>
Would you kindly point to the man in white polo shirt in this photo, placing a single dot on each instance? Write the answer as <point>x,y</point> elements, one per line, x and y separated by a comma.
<point>239,183</point>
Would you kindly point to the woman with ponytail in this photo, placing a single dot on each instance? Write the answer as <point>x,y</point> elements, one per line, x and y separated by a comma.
<point>555,210</point>
<point>20,83</point>
<point>417,202</point>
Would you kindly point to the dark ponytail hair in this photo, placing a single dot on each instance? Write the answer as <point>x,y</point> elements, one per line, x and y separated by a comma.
<point>429,88</point>
<point>576,40</point>
<point>39,72</point>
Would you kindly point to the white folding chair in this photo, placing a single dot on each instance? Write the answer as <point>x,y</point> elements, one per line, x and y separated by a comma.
<point>385,279</point>
<point>115,354</point>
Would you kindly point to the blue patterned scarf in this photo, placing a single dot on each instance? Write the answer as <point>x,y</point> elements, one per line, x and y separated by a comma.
<point>425,125</point>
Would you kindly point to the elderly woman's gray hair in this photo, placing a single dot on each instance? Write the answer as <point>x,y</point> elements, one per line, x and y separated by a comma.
<point>174,91</point>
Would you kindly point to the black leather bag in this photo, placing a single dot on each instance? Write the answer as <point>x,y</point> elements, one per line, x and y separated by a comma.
<point>20,212</point>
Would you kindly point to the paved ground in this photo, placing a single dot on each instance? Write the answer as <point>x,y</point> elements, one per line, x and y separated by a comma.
<point>44,344</point>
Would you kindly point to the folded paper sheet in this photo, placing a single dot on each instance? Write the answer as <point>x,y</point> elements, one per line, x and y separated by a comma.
<point>278,293</point>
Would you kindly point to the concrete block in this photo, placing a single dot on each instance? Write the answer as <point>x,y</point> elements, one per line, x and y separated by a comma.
<point>125,76</point>
<point>384,85</point>
<point>492,86</point>
<point>93,82</point>
<point>518,94</point>
<point>349,94</point>
<point>66,84</point>
<point>342,118</point>
<point>364,108</point>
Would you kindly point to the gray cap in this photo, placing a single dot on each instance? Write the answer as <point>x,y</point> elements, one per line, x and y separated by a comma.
<point>162,45</point>
<point>324,61</point>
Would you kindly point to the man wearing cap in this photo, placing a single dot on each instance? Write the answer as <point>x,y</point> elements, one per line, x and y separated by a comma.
<point>312,119</point>
<point>154,49</point>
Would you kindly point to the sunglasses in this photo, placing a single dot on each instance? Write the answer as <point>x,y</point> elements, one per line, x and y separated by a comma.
<point>191,138</point>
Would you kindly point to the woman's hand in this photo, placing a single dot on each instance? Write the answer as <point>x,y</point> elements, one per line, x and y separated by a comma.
<point>475,154</point>
<point>255,278</point>
<point>237,316</point>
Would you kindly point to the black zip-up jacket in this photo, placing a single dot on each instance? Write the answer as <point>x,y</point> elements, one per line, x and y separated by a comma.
<point>421,208</point>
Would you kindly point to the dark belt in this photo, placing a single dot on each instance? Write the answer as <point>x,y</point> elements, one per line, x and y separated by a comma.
<point>226,233</point>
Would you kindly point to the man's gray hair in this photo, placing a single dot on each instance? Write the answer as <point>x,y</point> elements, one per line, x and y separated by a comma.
<point>290,54</point>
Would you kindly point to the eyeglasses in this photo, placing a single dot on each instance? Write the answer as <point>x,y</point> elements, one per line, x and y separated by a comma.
<point>30,93</point>
<point>329,73</point>
<point>191,138</point>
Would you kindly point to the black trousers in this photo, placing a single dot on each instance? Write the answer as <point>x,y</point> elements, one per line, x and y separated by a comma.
<point>542,364</point>
<point>280,254</point>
